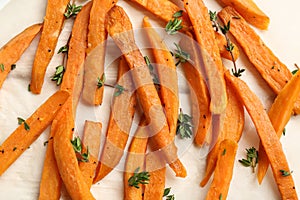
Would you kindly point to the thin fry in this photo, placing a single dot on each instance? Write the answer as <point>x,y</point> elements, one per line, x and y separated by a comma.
<point>250,12</point>
<point>267,136</point>
<point>136,159</point>
<point>91,144</point>
<point>11,52</point>
<point>53,22</point>
<point>119,125</point>
<point>120,29</point>
<point>21,138</point>
<point>275,73</point>
<point>232,129</point>
<point>168,79</point>
<point>279,115</point>
<point>94,66</point>
<point>199,93</point>
<point>224,170</point>
<point>204,33</point>
<point>72,81</point>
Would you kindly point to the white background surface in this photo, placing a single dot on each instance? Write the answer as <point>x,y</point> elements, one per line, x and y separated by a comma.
<point>21,180</point>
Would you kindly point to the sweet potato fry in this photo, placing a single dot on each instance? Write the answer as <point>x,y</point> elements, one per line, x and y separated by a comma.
<point>250,12</point>
<point>72,81</point>
<point>91,143</point>
<point>66,159</point>
<point>119,125</point>
<point>53,22</point>
<point>199,93</point>
<point>279,115</point>
<point>24,136</point>
<point>120,29</point>
<point>275,73</point>
<point>204,33</point>
<point>224,170</point>
<point>155,188</point>
<point>11,52</point>
<point>136,159</point>
<point>167,74</point>
<point>94,66</point>
<point>267,135</point>
<point>51,182</point>
<point>222,43</point>
<point>232,130</point>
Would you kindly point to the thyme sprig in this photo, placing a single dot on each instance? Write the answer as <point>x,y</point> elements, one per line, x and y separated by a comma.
<point>184,125</point>
<point>151,69</point>
<point>174,25</point>
<point>168,195</point>
<point>252,158</point>
<point>101,81</point>
<point>77,146</point>
<point>138,178</point>
<point>237,72</point>
<point>119,90</point>
<point>72,10</point>
<point>58,75</point>
<point>181,55</point>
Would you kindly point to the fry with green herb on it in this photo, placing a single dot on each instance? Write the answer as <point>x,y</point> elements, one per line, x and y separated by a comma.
<point>120,29</point>
<point>135,160</point>
<point>199,93</point>
<point>72,81</point>
<point>12,50</point>
<point>267,136</point>
<point>119,124</point>
<point>21,138</point>
<point>168,84</point>
<point>224,170</point>
<point>53,22</point>
<point>94,66</point>
<point>279,114</point>
<point>273,71</point>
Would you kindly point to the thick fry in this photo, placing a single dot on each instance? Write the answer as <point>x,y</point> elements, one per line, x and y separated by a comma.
<point>275,73</point>
<point>91,143</point>
<point>119,125</point>
<point>66,159</point>
<point>11,52</point>
<point>222,43</point>
<point>167,74</point>
<point>224,170</point>
<point>72,81</point>
<point>136,158</point>
<point>120,29</point>
<point>250,12</point>
<point>21,138</point>
<point>53,22</point>
<point>199,93</point>
<point>232,129</point>
<point>94,66</point>
<point>267,136</point>
<point>204,33</point>
<point>279,115</point>
<point>155,188</point>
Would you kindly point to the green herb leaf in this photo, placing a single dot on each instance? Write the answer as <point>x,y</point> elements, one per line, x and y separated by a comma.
<point>76,143</point>
<point>173,26</point>
<point>220,196</point>
<point>283,132</point>
<point>166,191</point>
<point>285,173</point>
<point>225,29</point>
<point>151,69</point>
<point>166,194</point>
<point>224,152</point>
<point>213,16</point>
<point>72,10</point>
<point>181,55</point>
<point>138,178</point>
<point>178,14</point>
<point>101,81</point>
<point>184,125</point>
<point>85,156</point>
<point>119,90</point>
<point>2,68</point>
<point>58,75</point>
<point>63,49</point>
<point>22,121</point>
<point>252,158</point>
<point>237,73</point>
